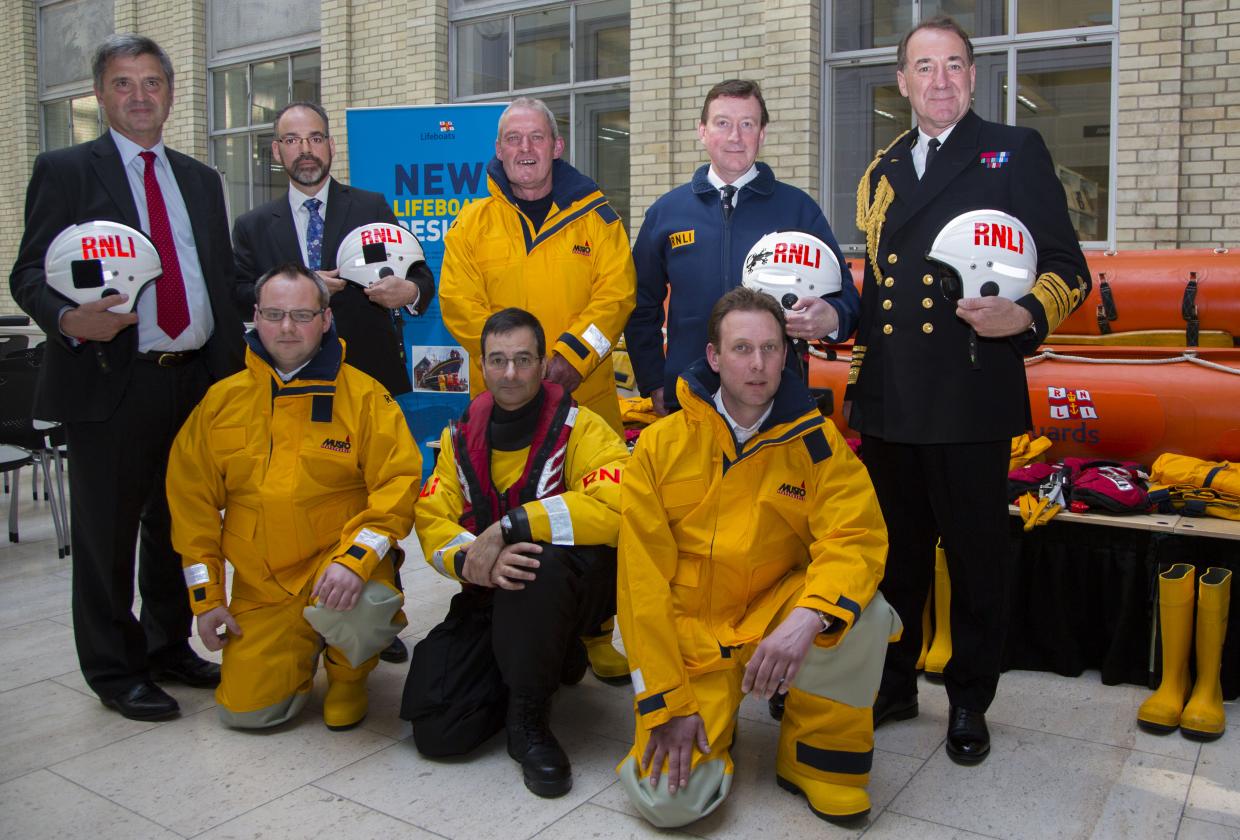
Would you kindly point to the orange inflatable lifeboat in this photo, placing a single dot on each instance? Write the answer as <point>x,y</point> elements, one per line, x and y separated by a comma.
<point>1119,403</point>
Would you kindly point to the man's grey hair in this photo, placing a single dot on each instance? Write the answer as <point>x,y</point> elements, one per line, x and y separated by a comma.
<point>309,106</point>
<point>129,45</point>
<point>295,271</point>
<point>532,104</point>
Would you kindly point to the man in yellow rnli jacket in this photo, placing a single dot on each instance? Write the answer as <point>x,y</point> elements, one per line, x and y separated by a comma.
<point>312,463</point>
<point>751,548</point>
<point>545,240</point>
<point>524,508</point>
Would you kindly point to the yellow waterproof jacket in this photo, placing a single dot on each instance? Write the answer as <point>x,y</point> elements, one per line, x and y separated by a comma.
<point>586,513</point>
<point>321,467</point>
<point>713,539</point>
<point>574,273</point>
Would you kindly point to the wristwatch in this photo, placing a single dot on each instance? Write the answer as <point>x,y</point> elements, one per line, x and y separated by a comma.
<point>505,529</point>
<point>827,621</point>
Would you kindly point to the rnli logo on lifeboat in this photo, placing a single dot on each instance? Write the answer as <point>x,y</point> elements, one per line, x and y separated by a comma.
<point>1070,404</point>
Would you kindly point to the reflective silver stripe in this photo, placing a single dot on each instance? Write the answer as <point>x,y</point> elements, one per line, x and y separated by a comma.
<point>639,682</point>
<point>377,543</point>
<point>595,338</point>
<point>560,519</point>
<point>462,538</point>
<point>552,470</point>
<point>570,419</point>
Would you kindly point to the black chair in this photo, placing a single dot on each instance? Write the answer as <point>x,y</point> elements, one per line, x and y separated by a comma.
<point>17,429</point>
<point>12,344</point>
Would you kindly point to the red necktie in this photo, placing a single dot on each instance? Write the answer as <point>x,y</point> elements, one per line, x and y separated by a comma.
<point>172,311</point>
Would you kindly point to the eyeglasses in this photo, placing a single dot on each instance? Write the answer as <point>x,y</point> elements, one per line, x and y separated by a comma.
<point>499,362</point>
<point>292,141</point>
<point>301,316</point>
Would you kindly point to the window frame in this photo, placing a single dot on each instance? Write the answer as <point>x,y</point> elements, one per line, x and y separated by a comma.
<point>1011,44</point>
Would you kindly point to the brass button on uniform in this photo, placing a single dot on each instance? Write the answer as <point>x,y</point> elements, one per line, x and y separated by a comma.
<point>928,280</point>
<point>887,329</point>
<point>927,328</point>
<point>889,282</point>
<point>891,259</point>
<point>887,304</point>
<point>927,303</point>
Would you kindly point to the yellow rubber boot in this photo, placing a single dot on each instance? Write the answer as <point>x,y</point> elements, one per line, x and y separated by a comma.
<point>607,663</point>
<point>1161,711</point>
<point>346,702</point>
<point>826,749</point>
<point>940,652</point>
<point>927,628</point>
<point>1203,718</point>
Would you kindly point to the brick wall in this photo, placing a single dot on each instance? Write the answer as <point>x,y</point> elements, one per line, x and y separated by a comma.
<point>1179,101</point>
<point>19,132</point>
<point>681,49</point>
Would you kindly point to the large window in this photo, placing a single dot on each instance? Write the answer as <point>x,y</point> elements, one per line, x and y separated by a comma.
<point>1061,54</point>
<point>68,32</point>
<point>244,102</point>
<point>574,56</point>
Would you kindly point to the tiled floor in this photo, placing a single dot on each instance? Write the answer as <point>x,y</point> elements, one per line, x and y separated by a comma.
<point>1068,758</point>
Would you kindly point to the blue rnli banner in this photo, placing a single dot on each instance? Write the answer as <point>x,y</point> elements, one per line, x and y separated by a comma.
<point>430,161</point>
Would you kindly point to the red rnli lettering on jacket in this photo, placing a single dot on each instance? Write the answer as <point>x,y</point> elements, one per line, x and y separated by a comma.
<point>99,247</point>
<point>994,235</point>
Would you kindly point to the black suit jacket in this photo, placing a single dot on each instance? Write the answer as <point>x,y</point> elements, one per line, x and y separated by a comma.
<point>85,183</point>
<point>266,237</point>
<point>912,379</point>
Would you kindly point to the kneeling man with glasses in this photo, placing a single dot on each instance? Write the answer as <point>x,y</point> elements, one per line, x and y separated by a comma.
<point>313,466</point>
<point>524,510</point>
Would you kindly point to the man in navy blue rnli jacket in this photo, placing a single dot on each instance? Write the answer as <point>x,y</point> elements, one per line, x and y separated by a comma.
<point>694,240</point>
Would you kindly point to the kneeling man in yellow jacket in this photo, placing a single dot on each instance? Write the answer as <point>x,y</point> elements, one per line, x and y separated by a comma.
<point>751,548</point>
<point>313,466</point>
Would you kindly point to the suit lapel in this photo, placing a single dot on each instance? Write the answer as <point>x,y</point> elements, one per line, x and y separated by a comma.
<point>111,172</point>
<point>339,201</point>
<point>957,154</point>
<point>191,189</point>
<point>284,233</point>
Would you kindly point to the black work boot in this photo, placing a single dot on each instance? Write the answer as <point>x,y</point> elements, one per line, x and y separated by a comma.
<point>530,742</point>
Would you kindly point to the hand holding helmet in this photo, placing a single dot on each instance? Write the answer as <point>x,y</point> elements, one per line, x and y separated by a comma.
<point>375,251</point>
<point>95,260</point>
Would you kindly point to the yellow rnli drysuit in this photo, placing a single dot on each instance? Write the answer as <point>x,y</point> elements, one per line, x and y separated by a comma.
<point>718,543</point>
<point>586,513</point>
<point>574,273</point>
<point>317,470</point>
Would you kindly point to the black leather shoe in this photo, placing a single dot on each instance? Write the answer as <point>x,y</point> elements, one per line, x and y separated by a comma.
<point>968,739</point>
<point>395,652</point>
<point>144,701</point>
<point>189,670</point>
<point>544,765</point>
<point>894,708</point>
<point>776,705</point>
<point>576,661</point>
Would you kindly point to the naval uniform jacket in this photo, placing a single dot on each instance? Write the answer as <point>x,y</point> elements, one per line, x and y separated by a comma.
<point>912,379</point>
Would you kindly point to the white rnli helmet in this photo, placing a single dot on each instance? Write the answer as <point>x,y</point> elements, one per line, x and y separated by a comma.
<point>989,252</point>
<point>93,260</point>
<point>791,264</point>
<point>372,252</point>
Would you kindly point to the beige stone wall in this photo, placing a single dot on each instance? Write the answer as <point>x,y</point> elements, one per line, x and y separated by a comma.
<point>1179,105</point>
<point>19,132</point>
<point>409,68</point>
<point>681,48</point>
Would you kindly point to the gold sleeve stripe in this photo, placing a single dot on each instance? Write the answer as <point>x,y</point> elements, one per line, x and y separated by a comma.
<point>1057,299</point>
<point>854,367</point>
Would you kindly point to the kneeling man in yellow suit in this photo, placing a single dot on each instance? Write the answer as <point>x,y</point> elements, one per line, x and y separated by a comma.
<point>313,466</point>
<point>751,547</point>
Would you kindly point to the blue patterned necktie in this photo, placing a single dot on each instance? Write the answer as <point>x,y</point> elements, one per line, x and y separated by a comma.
<point>314,234</point>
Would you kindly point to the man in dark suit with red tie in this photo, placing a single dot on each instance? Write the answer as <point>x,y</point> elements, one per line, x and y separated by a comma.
<point>306,226</point>
<point>122,383</point>
<point>937,407</point>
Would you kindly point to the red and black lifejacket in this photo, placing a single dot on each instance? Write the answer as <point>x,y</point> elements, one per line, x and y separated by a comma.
<point>543,474</point>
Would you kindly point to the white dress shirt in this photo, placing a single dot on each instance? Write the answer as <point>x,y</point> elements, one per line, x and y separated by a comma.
<point>718,183</point>
<point>201,320</point>
<point>922,147</point>
<point>743,433</point>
